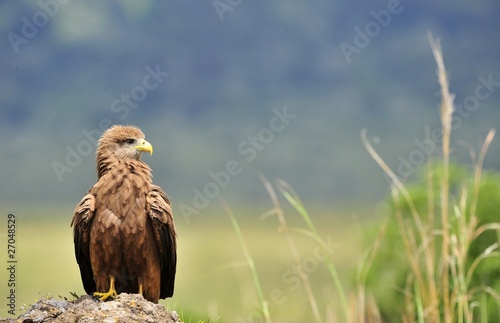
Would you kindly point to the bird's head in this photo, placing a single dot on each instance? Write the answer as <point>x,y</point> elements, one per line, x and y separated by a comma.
<point>123,142</point>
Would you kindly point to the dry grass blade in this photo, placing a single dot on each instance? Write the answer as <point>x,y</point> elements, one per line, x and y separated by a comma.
<point>478,169</point>
<point>293,248</point>
<point>488,253</point>
<point>292,198</point>
<point>363,307</point>
<point>250,262</point>
<point>396,182</point>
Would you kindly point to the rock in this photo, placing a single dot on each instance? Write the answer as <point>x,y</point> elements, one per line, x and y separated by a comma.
<point>124,309</point>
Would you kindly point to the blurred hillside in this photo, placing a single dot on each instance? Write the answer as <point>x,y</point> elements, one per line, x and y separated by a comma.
<point>206,82</point>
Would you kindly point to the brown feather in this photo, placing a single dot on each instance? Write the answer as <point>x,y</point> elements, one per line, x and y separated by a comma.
<point>124,226</point>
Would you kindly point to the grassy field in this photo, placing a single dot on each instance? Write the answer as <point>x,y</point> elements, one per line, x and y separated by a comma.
<point>213,281</point>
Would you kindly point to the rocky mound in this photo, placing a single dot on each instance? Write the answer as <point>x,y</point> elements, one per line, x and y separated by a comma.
<point>124,309</point>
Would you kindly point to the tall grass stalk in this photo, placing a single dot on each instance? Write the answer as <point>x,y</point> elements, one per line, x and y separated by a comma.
<point>251,264</point>
<point>446,116</point>
<point>431,245</point>
<point>293,248</point>
<point>410,243</point>
<point>292,198</point>
<point>363,307</point>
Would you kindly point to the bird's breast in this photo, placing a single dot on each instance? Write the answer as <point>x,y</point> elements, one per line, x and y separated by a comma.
<point>121,200</point>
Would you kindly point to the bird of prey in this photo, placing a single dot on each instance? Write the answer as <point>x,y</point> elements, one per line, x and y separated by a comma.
<point>124,233</point>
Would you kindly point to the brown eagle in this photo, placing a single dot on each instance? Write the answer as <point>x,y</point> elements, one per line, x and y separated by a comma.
<point>124,233</point>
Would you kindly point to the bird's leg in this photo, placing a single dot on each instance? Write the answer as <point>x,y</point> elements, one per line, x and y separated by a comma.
<point>111,293</point>
<point>140,289</point>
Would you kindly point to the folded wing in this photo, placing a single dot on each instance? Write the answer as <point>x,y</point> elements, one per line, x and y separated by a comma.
<point>82,219</point>
<point>160,213</point>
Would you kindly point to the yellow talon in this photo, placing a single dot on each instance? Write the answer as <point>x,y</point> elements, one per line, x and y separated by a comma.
<point>111,293</point>
<point>140,289</point>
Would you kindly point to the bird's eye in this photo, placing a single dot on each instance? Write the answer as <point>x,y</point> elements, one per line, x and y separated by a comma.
<point>130,141</point>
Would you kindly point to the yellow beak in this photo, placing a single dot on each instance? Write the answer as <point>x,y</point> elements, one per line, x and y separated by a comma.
<point>144,146</point>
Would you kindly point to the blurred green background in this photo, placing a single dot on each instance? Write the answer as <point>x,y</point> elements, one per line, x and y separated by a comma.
<point>69,67</point>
